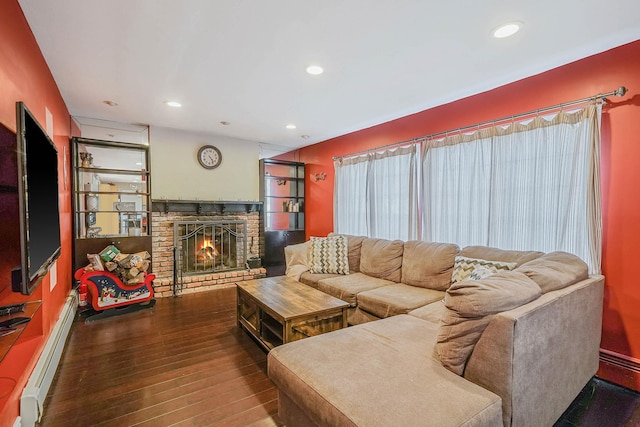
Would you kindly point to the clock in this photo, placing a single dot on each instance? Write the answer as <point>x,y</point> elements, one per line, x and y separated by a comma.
<point>209,157</point>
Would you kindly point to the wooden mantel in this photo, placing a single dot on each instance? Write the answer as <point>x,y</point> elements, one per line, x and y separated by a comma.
<point>204,206</point>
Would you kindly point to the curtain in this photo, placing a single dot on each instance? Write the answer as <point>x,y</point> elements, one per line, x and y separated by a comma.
<point>376,194</point>
<point>529,186</point>
<point>350,210</point>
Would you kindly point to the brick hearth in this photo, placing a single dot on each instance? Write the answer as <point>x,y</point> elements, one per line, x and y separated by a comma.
<point>165,213</point>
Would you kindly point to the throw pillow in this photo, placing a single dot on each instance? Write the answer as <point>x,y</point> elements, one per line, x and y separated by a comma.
<point>463,267</point>
<point>470,306</point>
<point>328,255</point>
<point>480,273</point>
<point>354,243</point>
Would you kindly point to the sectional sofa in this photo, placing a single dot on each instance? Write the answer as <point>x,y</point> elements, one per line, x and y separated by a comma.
<point>432,346</point>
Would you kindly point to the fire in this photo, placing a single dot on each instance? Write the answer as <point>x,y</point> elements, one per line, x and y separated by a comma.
<point>208,250</point>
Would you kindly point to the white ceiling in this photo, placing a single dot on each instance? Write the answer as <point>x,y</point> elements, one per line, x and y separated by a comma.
<point>244,61</point>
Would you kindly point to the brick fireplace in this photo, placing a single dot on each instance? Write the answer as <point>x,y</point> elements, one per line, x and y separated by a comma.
<point>212,241</point>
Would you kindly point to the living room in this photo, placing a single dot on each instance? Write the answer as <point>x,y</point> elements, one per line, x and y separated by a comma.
<point>26,76</point>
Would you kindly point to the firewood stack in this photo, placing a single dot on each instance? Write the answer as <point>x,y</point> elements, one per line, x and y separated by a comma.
<point>130,268</point>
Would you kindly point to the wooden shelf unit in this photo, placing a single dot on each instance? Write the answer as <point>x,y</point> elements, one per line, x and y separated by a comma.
<point>112,193</point>
<point>282,191</point>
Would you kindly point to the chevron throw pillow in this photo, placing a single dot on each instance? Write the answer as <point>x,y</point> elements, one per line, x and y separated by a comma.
<point>480,273</point>
<point>463,267</point>
<point>329,255</point>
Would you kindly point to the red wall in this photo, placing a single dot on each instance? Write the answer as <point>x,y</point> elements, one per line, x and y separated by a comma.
<point>24,76</point>
<point>620,172</point>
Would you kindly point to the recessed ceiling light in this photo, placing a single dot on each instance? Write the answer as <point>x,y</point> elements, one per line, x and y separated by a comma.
<point>314,70</point>
<point>291,126</point>
<point>173,104</point>
<point>507,30</point>
<point>110,103</point>
<point>225,123</point>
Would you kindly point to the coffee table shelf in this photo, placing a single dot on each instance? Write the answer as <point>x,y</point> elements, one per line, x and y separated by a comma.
<point>271,331</point>
<point>278,310</point>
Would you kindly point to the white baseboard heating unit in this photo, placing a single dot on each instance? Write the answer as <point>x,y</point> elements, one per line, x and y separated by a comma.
<point>35,392</point>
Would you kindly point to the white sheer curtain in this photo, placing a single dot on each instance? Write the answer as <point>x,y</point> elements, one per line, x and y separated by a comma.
<point>531,186</point>
<point>376,195</point>
<point>350,210</point>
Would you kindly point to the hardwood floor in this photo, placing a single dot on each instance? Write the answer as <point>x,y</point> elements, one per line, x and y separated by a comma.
<point>182,363</point>
<point>186,363</point>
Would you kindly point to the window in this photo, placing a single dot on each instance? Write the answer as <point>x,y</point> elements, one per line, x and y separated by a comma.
<point>529,186</point>
<point>376,195</point>
<point>526,187</point>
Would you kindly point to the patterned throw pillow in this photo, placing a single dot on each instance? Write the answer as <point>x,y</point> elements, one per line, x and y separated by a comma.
<point>463,267</point>
<point>328,255</point>
<point>480,273</point>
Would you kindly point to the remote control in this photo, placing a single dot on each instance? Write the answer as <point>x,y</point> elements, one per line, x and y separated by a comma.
<point>6,331</point>
<point>21,305</point>
<point>11,309</point>
<point>10,323</point>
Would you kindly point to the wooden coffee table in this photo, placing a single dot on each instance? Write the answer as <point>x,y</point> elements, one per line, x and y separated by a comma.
<point>278,310</point>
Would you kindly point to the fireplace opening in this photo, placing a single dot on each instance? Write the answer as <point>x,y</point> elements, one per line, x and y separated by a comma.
<point>209,247</point>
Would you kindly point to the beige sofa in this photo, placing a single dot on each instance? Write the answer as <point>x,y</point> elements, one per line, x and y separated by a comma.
<point>523,366</point>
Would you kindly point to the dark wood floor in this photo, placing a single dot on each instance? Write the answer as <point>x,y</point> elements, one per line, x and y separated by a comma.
<point>184,362</point>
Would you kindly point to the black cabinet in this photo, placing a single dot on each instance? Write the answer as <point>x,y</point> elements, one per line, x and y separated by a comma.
<point>275,242</point>
<point>282,194</point>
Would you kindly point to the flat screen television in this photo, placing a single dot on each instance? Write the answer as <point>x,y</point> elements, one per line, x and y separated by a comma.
<point>38,202</point>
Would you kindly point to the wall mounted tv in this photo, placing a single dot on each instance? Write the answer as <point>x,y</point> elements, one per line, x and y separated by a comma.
<point>38,202</point>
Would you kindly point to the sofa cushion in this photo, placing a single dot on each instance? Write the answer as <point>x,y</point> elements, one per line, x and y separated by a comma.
<point>431,312</point>
<point>354,243</point>
<point>382,258</point>
<point>296,260</point>
<point>348,287</point>
<point>376,374</point>
<point>469,306</point>
<point>464,267</point>
<point>428,264</point>
<point>396,299</point>
<point>297,254</point>
<point>356,316</point>
<point>328,255</point>
<point>312,279</point>
<point>555,270</point>
<point>495,254</point>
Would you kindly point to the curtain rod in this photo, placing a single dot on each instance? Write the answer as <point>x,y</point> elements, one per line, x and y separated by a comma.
<point>618,92</point>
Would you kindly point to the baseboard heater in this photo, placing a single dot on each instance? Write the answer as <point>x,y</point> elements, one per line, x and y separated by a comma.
<point>35,392</point>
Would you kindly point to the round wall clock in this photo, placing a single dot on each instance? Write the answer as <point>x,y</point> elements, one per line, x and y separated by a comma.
<point>209,157</point>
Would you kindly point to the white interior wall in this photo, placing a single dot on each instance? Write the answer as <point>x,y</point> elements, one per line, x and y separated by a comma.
<point>177,175</point>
